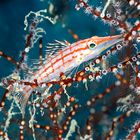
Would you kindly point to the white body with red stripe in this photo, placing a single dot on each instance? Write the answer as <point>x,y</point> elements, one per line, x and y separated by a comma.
<point>70,57</point>
<point>67,59</point>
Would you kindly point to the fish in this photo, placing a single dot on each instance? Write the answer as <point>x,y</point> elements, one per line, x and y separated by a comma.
<point>73,55</point>
<point>65,60</point>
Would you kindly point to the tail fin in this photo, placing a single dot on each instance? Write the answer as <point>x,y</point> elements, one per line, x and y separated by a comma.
<point>22,98</point>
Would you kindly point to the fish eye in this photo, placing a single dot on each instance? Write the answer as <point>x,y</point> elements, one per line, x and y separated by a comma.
<point>92,45</point>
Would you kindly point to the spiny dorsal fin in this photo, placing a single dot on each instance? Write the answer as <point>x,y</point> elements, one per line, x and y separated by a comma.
<point>61,43</point>
<point>54,48</point>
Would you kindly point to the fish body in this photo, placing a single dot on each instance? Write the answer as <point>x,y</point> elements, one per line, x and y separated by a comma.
<point>68,58</point>
<point>73,55</point>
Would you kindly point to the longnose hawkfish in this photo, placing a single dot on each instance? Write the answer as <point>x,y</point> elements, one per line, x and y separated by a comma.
<point>67,59</point>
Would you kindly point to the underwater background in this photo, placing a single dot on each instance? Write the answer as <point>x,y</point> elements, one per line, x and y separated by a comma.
<point>12,42</point>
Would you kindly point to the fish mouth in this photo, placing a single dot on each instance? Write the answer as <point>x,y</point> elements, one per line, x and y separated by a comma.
<point>109,43</point>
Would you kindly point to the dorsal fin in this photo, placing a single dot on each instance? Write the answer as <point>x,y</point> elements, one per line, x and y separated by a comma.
<point>61,43</point>
<point>54,48</point>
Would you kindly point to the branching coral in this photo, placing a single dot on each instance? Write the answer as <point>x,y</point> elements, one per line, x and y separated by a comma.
<point>57,108</point>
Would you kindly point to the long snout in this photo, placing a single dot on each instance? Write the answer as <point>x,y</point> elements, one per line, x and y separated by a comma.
<point>108,42</point>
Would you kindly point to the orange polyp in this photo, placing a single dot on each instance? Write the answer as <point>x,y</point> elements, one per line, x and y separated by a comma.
<point>60,136</point>
<point>125,81</point>
<point>67,122</point>
<point>68,104</point>
<point>88,127</point>
<point>69,118</point>
<point>47,127</point>
<point>62,76</point>
<point>65,127</point>
<point>73,113</point>
<point>51,116</point>
<point>118,76</point>
<point>76,106</point>
<point>1,53</point>
<point>21,137</point>
<point>37,126</point>
<point>60,131</point>
<point>100,95</point>
<point>2,104</point>
<point>111,133</point>
<point>34,86</point>
<point>79,79</point>
<point>1,133</point>
<point>81,73</point>
<point>61,83</point>
<point>108,90</point>
<point>72,99</point>
<point>69,84</point>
